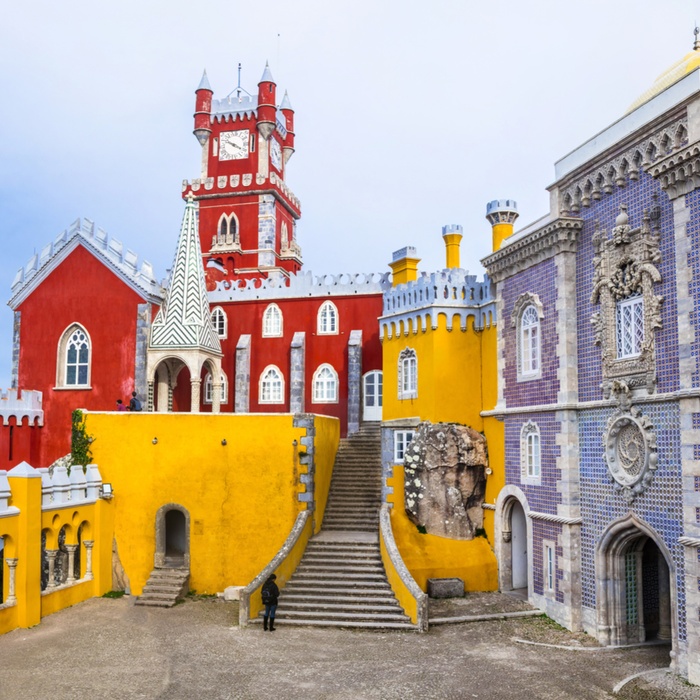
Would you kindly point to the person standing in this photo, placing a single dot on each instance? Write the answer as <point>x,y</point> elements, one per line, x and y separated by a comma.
<point>270,593</point>
<point>134,404</point>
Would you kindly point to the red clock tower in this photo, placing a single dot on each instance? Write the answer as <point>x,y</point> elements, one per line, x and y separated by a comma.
<point>247,214</point>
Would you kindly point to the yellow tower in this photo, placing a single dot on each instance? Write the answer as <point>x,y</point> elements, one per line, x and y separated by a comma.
<point>501,214</point>
<point>404,266</point>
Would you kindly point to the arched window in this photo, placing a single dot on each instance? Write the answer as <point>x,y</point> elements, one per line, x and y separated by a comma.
<point>271,385</point>
<point>529,345</point>
<point>209,389</point>
<point>219,321</point>
<point>227,231</point>
<point>530,453</point>
<point>408,374</point>
<point>74,358</point>
<point>328,319</point>
<point>325,385</point>
<point>272,322</point>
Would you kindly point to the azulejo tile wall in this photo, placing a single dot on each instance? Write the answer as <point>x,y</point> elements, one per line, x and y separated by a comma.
<point>661,506</point>
<point>693,231</point>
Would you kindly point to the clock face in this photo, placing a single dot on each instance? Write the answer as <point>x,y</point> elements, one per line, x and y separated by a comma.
<point>276,154</point>
<point>233,145</point>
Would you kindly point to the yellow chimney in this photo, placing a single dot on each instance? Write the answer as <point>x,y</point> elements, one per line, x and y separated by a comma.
<point>452,235</point>
<point>502,214</point>
<point>404,266</point>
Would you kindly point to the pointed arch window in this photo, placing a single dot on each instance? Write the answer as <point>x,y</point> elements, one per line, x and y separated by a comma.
<point>530,453</point>
<point>219,321</point>
<point>227,231</point>
<point>272,322</point>
<point>325,385</point>
<point>271,385</point>
<point>328,319</point>
<point>74,358</point>
<point>209,389</point>
<point>408,374</point>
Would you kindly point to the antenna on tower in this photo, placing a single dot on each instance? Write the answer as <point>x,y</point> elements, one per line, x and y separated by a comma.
<point>238,87</point>
<point>278,50</point>
<point>696,43</point>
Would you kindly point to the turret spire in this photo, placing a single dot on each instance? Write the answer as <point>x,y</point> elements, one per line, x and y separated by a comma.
<point>204,82</point>
<point>267,75</point>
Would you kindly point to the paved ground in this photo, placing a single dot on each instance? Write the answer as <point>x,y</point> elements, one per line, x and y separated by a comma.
<point>111,649</point>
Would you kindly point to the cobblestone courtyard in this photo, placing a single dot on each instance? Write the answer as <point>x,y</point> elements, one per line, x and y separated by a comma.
<point>111,649</point>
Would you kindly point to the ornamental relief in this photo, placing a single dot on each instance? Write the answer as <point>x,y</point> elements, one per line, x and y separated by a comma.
<point>630,447</point>
<point>625,269</point>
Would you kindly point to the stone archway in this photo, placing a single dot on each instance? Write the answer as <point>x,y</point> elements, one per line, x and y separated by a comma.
<point>172,537</point>
<point>513,540</point>
<point>635,599</point>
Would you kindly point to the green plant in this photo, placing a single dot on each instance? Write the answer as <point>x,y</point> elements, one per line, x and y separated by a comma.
<point>422,529</point>
<point>80,440</point>
<point>113,594</point>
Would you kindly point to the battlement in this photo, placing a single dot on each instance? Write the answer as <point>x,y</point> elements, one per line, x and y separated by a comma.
<point>28,405</point>
<point>110,249</point>
<point>449,292</point>
<point>303,284</point>
<point>240,182</point>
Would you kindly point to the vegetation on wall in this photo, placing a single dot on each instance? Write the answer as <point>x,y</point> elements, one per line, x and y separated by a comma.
<point>80,440</point>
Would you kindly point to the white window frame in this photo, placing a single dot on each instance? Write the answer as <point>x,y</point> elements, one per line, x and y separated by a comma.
<point>62,364</point>
<point>325,385</point>
<point>208,393</point>
<point>220,322</point>
<point>272,322</point>
<point>529,343</point>
<point>328,322</point>
<point>530,454</point>
<point>401,440</point>
<point>549,565</point>
<point>408,374</point>
<point>271,388</point>
<point>628,312</point>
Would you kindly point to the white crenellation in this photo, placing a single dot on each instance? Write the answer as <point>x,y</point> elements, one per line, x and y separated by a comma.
<point>125,261</point>
<point>59,489</point>
<point>303,284</point>
<point>20,405</point>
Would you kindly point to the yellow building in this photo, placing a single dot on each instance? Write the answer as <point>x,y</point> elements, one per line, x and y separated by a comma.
<point>438,334</point>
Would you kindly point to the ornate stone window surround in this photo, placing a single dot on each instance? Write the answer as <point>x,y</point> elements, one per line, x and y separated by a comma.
<point>227,236</point>
<point>74,358</point>
<point>525,318</point>
<point>549,568</point>
<point>530,454</point>
<point>408,374</point>
<point>273,322</point>
<point>625,269</point>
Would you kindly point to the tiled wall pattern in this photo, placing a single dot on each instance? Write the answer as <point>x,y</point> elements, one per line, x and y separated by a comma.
<point>542,530</point>
<point>661,507</point>
<point>692,202</point>
<point>541,280</point>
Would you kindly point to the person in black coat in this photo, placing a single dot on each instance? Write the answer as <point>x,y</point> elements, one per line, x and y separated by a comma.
<point>270,594</point>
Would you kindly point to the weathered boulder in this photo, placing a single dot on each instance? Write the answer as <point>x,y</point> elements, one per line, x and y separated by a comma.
<point>445,479</point>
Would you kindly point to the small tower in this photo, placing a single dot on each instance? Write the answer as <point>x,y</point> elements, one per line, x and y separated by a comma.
<point>501,214</point>
<point>202,114</point>
<point>288,112</point>
<point>452,235</point>
<point>267,103</point>
<point>404,266</point>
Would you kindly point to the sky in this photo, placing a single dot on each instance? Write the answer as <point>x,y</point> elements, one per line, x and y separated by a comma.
<point>408,115</point>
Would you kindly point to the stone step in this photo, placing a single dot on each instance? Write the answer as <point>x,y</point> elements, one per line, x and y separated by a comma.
<point>313,593</point>
<point>337,585</point>
<point>340,568</point>
<point>340,615</point>
<point>344,602</point>
<point>323,578</point>
<point>359,624</point>
<point>340,557</point>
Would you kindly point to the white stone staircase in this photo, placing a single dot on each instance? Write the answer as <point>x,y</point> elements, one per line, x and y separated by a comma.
<point>340,581</point>
<point>165,586</point>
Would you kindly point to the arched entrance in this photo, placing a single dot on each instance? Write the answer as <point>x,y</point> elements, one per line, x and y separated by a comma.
<point>512,541</point>
<point>172,537</point>
<point>518,543</point>
<point>636,601</point>
<point>372,396</point>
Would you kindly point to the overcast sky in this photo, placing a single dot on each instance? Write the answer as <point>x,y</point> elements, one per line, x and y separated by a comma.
<point>409,115</point>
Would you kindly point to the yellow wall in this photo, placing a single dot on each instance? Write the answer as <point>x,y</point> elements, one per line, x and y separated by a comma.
<point>429,556</point>
<point>326,445</point>
<point>242,498</point>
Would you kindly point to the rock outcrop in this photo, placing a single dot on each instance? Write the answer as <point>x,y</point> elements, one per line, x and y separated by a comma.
<point>445,479</point>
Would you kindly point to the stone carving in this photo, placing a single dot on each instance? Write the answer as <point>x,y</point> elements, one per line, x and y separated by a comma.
<point>630,447</point>
<point>625,267</point>
<point>521,303</point>
<point>445,479</point>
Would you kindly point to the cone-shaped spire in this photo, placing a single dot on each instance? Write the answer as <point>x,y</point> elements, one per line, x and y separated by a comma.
<point>204,82</point>
<point>267,75</point>
<point>286,104</point>
<point>184,321</point>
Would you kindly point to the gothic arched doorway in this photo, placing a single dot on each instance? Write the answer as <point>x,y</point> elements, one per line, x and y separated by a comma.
<point>518,544</point>
<point>636,601</point>
<point>172,537</point>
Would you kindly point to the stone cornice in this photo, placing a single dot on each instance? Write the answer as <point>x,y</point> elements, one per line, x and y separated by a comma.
<point>559,236</point>
<point>678,173</point>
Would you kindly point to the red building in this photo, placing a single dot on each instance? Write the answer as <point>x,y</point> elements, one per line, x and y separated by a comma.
<point>289,342</point>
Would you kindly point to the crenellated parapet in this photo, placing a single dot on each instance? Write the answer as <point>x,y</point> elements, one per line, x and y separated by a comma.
<point>251,182</point>
<point>451,293</point>
<point>303,284</point>
<point>124,261</point>
<point>21,405</point>
<point>60,488</point>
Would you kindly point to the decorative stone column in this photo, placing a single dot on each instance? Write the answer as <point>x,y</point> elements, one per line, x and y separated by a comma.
<point>88,559</point>
<point>11,595</point>
<point>151,395</point>
<point>216,396</point>
<point>72,548</point>
<point>51,557</point>
<point>665,631</point>
<point>196,384</point>
<point>241,401</point>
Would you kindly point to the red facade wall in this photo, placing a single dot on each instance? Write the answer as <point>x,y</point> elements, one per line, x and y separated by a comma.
<point>19,442</point>
<point>82,289</point>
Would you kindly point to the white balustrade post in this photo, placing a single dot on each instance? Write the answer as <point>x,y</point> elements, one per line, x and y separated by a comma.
<point>11,595</point>
<point>88,559</point>
<point>51,556</point>
<point>71,562</point>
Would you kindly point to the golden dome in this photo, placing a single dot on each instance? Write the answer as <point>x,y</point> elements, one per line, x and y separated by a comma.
<point>678,70</point>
